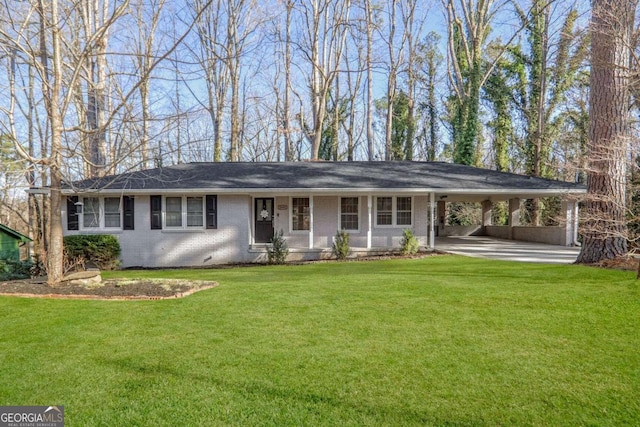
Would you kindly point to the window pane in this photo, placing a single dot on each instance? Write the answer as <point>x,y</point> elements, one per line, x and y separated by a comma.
<point>112,212</point>
<point>403,206</point>
<point>173,208</point>
<point>91,212</point>
<point>404,218</point>
<point>384,203</point>
<point>300,213</point>
<point>384,214</point>
<point>349,213</point>
<point>194,212</point>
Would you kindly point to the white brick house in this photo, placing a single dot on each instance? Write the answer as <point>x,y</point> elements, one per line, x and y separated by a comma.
<point>201,214</point>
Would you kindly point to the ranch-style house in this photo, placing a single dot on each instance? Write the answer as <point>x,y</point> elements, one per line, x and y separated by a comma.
<point>200,214</point>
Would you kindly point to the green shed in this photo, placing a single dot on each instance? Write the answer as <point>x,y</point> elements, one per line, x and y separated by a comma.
<point>10,242</point>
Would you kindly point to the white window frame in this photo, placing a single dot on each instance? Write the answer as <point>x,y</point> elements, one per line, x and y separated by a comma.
<point>396,210</point>
<point>394,213</point>
<point>101,214</point>
<point>291,215</point>
<point>351,230</point>
<point>183,213</point>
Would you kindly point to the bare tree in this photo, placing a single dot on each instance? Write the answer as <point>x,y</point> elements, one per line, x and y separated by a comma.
<point>324,31</point>
<point>57,69</point>
<point>369,27</point>
<point>147,20</point>
<point>354,73</point>
<point>395,51</point>
<point>286,104</point>
<point>91,44</point>
<point>211,56</point>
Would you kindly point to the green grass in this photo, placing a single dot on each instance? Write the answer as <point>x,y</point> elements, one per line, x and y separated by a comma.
<point>434,341</point>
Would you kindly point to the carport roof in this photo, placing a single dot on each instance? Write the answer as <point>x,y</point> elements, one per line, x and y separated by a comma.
<point>327,177</point>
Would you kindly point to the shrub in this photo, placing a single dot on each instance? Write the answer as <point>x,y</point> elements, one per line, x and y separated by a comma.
<point>100,249</point>
<point>341,247</point>
<point>13,269</point>
<point>277,250</point>
<point>38,268</point>
<point>409,244</point>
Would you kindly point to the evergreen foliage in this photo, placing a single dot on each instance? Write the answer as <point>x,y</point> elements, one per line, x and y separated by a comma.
<point>100,249</point>
<point>277,250</point>
<point>13,269</point>
<point>409,244</point>
<point>341,248</point>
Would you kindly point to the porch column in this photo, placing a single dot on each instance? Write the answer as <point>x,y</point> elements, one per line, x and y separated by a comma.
<point>311,222</point>
<point>487,217</point>
<point>570,209</point>
<point>369,219</point>
<point>432,220</point>
<point>514,215</point>
<point>442,213</point>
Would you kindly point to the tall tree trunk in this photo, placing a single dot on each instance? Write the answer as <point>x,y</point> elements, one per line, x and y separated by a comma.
<point>93,19</point>
<point>286,124</point>
<point>537,150</point>
<point>233,60</point>
<point>605,230</point>
<point>369,65</point>
<point>52,90</point>
<point>391,83</point>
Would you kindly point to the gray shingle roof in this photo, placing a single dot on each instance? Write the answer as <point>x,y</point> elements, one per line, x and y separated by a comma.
<point>324,176</point>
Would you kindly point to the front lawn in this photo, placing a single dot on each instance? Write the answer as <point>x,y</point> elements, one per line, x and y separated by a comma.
<point>436,341</point>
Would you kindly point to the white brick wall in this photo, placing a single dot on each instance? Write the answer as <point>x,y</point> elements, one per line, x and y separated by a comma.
<point>231,241</point>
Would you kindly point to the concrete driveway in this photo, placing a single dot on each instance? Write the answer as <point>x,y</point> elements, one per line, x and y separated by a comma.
<point>509,250</point>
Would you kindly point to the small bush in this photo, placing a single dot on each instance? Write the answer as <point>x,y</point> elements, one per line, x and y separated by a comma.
<point>13,269</point>
<point>341,247</point>
<point>409,244</point>
<point>101,249</point>
<point>277,250</point>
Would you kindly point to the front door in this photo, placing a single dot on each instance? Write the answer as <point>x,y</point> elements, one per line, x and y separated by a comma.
<point>264,220</point>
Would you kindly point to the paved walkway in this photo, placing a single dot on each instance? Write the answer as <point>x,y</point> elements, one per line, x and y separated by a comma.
<point>510,250</point>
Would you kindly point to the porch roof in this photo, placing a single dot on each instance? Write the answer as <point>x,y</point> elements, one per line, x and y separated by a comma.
<point>456,182</point>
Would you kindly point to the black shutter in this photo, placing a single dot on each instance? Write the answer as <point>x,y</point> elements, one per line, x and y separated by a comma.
<point>156,212</point>
<point>72,213</point>
<point>128,212</point>
<point>212,212</point>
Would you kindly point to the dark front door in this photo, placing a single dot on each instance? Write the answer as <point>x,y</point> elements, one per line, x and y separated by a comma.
<point>264,220</point>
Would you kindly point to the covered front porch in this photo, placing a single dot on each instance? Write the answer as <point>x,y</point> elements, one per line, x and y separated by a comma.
<point>311,219</point>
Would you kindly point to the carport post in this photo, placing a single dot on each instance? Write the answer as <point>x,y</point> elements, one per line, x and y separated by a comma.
<point>514,215</point>
<point>487,214</point>
<point>570,207</point>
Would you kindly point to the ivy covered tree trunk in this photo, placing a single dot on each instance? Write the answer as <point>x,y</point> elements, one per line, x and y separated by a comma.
<point>469,24</point>
<point>605,229</point>
<point>498,93</point>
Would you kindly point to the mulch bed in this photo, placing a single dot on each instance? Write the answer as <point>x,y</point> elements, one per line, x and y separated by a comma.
<point>124,289</point>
